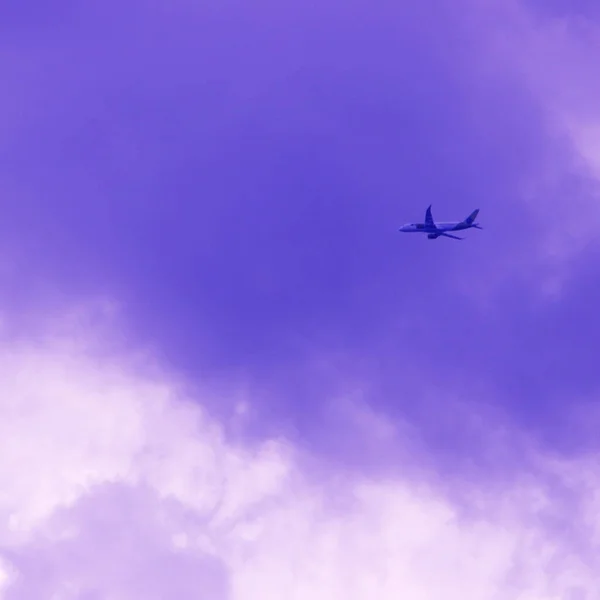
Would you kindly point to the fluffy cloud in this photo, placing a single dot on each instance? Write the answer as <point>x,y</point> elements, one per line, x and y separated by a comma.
<point>114,484</point>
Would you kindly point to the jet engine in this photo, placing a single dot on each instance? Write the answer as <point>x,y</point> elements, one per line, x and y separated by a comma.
<point>431,236</point>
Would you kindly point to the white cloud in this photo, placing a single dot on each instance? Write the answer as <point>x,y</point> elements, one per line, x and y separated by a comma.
<point>556,58</point>
<point>114,485</point>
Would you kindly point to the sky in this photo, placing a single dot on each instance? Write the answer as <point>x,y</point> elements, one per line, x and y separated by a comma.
<point>225,374</point>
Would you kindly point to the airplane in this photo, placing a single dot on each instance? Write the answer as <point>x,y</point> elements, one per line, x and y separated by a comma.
<point>435,230</point>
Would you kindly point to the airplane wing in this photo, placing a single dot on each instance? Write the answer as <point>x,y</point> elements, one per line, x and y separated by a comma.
<point>429,219</point>
<point>454,237</point>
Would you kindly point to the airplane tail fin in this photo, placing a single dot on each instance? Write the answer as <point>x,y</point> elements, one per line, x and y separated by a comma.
<point>471,218</point>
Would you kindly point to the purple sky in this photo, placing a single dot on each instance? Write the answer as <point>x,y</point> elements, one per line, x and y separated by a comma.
<point>200,213</point>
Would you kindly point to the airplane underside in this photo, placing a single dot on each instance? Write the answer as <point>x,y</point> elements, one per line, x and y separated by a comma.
<point>437,234</point>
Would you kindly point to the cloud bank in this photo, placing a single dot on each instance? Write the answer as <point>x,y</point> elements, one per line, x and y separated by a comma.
<point>114,484</point>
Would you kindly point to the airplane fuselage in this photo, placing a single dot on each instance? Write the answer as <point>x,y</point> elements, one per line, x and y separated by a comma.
<point>443,226</point>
